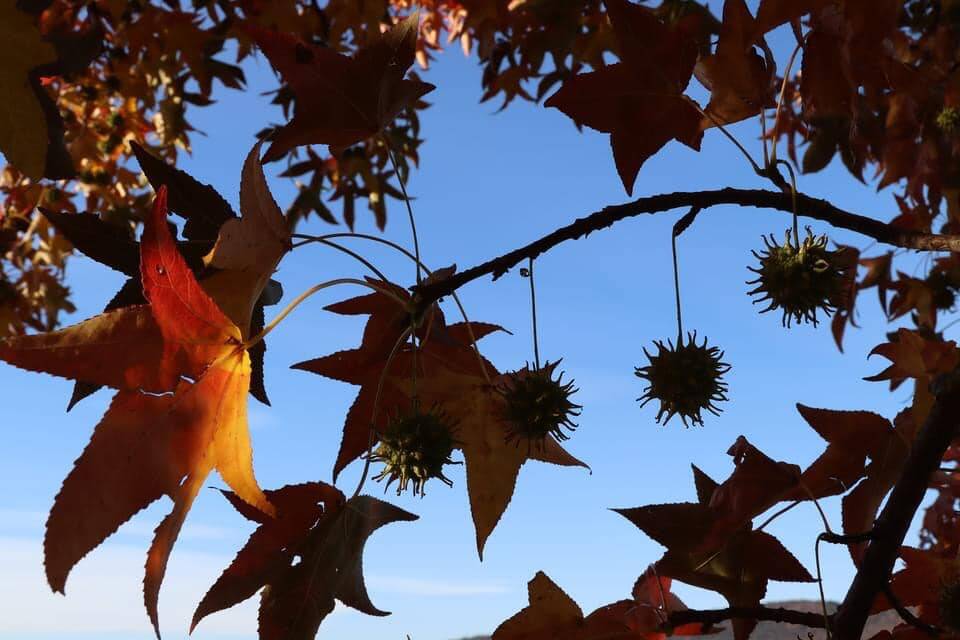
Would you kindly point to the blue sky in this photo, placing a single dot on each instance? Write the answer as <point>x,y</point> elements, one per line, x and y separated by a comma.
<point>487,183</point>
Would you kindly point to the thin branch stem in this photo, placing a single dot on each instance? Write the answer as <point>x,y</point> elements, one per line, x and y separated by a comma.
<point>307,239</point>
<point>406,199</point>
<point>296,302</point>
<point>676,289</point>
<point>533,313</point>
<point>371,437</point>
<point>783,92</point>
<point>353,254</point>
<point>730,136</point>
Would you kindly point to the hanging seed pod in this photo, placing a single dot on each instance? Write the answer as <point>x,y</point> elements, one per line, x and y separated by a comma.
<point>414,448</point>
<point>686,379</point>
<point>800,281</point>
<point>537,405</point>
<point>950,605</point>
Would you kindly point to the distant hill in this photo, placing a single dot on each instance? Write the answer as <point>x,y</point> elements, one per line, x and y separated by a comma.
<point>775,631</point>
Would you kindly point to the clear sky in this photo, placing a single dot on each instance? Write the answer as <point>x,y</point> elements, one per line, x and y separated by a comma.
<point>487,182</point>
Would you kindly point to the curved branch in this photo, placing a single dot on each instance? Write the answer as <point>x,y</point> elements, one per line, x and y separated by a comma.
<point>809,207</point>
<point>713,616</point>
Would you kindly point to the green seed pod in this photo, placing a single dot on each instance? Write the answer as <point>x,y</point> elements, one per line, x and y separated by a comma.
<point>686,379</point>
<point>800,281</point>
<point>414,448</point>
<point>537,405</point>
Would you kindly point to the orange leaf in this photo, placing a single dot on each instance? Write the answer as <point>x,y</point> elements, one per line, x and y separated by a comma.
<point>148,446</point>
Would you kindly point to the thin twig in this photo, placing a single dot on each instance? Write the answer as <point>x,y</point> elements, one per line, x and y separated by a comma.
<point>533,313</point>
<point>309,292</point>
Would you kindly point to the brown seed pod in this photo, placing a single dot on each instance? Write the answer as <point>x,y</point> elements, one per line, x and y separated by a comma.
<point>686,379</point>
<point>414,447</point>
<point>537,405</point>
<point>800,281</point>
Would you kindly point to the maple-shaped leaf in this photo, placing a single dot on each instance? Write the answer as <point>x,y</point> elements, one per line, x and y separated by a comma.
<point>887,456</point>
<point>31,130</point>
<point>205,212</point>
<point>709,548</point>
<point>442,348</point>
<point>913,355</point>
<point>492,460</point>
<point>921,581</point>
<point>553,615</point>
<point>852,436</point>
<point>773,13</point>
<point>638,101</point>
<point>738,78</point>
<point>199,204</point>
<point>147,446</point>
<point>342,100</point>
<point>739,572</point>
<point>450,377</point>
<point>756,484</point>
<point>307,556</point>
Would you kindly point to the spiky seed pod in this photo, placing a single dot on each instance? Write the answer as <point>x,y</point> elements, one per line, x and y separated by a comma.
<point>537,405</point>
<point>686,379</point>
<point>801,280</point>
<point>414,447</point>
<point>950,605</point>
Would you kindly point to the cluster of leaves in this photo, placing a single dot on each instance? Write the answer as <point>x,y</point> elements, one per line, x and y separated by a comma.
<point>99,82</point>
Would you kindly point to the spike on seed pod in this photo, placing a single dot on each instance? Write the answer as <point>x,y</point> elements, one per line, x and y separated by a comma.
<point>537,405</point>
<point>686,379</point>
<point>414,448</point>
<point>800,281</point>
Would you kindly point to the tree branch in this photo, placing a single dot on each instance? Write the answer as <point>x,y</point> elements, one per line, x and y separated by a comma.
<point>891,527</point>
<point>713,616</point>
<point>808,207</point>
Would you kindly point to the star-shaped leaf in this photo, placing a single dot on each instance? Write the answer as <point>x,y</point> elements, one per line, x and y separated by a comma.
<point>147,446</point>
<point>638,101</point>
<point>342,100</point>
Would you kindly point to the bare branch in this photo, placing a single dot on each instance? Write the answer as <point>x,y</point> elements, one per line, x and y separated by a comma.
<point>808,207</point>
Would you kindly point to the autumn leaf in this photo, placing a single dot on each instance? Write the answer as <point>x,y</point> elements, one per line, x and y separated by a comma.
<point>638,101</point>
<point>553,615</point>
<point>920,582</point>
<point>442,347</point>
<point>147,446</point>
<point>852,437</point>
<point>712,549</point>
<point>342,100</point>
<point>450,377</point>
<point>738,78</point>
<point>205,211</point>
<point>328,532</point>
<point>25,137</point>
<point>773,13</point>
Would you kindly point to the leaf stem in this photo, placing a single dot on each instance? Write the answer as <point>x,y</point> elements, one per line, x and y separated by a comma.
<point>376,407</point>
<point>406,200</point>
<point>309,292</point>
<point>307,239</point>
<point>533,313</point>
